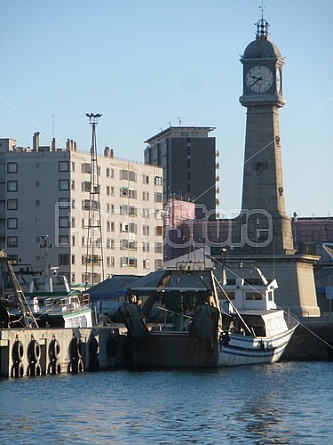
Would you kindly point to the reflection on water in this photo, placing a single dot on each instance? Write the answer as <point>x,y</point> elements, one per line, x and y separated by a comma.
<point>285,403</point>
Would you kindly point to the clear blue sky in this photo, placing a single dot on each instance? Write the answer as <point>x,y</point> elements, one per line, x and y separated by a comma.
<point>145,63</point>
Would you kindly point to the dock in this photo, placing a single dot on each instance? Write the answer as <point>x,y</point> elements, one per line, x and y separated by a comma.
<point>35,352</point>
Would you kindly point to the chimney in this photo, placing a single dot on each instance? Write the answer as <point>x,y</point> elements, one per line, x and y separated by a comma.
<point>53,144</point>
<point>36,141</point>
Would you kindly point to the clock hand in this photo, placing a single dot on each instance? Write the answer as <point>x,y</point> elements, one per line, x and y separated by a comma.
<point>257,80</point>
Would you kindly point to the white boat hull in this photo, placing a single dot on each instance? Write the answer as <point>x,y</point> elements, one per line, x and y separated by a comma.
<point>247,350</point>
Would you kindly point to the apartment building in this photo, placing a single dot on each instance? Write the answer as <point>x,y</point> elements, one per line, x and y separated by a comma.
<point>188,158</point>
<point>47,191</point>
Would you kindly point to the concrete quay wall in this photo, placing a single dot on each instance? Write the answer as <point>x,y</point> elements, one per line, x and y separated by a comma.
<point>310,342</point>
<point>35,352</point>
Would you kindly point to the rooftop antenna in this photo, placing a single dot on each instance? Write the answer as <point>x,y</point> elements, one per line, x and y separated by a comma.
<point>94,229</point>
<point>52,126</point>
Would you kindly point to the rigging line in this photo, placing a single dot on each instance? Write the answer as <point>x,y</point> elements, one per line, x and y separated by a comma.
<point>263,148</point>
<point>42,129</point>
<point>289,315</point>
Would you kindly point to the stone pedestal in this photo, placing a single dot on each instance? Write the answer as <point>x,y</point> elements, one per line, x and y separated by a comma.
<point>294,274</point>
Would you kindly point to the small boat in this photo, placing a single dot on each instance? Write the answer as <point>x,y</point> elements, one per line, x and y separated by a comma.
<point>200,324</point>
<point>50,298</point>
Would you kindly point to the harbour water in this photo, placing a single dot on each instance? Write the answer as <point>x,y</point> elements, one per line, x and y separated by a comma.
<point>287,403</point>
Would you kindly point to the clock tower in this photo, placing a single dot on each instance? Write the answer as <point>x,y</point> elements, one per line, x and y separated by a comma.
<point>263,232</point>
<point>264,222</point>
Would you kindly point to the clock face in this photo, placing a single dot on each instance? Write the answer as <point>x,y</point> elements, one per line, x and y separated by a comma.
<point>259,79</point>
<point>278,80</point>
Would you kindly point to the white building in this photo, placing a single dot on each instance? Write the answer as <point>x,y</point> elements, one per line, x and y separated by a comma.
<point>46,191</point>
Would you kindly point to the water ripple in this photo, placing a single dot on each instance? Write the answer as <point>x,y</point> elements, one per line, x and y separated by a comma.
<point>282,404</point>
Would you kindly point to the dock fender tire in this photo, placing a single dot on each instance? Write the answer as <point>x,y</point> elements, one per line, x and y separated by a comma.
<point>55,350</point>
<point>93,365</point>
<point>93,347</point>
<point>18,351</point>
<point>80,366</point>
<point>34,351</point>
<point>111,346</point>
<point>17,370</point>
<point>76,348</point>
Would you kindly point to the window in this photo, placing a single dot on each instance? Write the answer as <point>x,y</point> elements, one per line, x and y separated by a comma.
<point>158,197</point>
<point>63,166</point>
<point>112,261</point>
<point>158,263</point>
<point>158,214</point>
<point>37,184</point>
<point>37,202</point>
<point>158,248</point>
<point>128,175</point>
<point>85,168</point>
<point>132,262</point>
<point>123,227</point>
<point>145,213</point>
<point>131,193</point>
<point>158,230</point>
<point>12,167</point>
<point>145,179</point>
<point>145,230</point>
<point>158,180</point>
<point>63,259</point>
<point>123,261</point>
<point>63,222</point>
<point>12,223</point>
<point>12,241</point>
<point>128,244</point>
<point>124,209</point>
<point>253,296</point>
<point>107,172</point>
<point>64,240</point>
<point>145,196</point>
<point>108,190</point>
<point>12,204</point>
<point>145,247</point>
<point>133,211</point>
<point>63,184</point>
<point>123,191</point>
<point>86,186</point>
<point>146,264</point>
<point>12,186</point>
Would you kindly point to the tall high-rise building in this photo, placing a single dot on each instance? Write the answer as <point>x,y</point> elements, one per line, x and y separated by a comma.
<point>187,156</point>
<point>47,191</point>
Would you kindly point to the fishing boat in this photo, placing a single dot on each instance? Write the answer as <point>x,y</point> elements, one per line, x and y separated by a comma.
<point>50,298</point>
<point>200,324</point>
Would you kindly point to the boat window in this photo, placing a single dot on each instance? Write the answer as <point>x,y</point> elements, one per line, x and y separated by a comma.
<point>253,296</point>
<point>231,296</point>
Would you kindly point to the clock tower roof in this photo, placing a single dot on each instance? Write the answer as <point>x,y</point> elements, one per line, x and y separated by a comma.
<point>261,47</point>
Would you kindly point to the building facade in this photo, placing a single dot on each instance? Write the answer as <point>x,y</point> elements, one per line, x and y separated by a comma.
<point>47,191</point>
<point>187,156</point>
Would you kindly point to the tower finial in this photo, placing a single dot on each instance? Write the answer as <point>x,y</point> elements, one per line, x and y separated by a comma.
<point>262,7</point>
<point>262,24</point>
